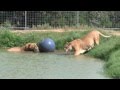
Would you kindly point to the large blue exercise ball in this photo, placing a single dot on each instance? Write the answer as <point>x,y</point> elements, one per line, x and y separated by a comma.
<point>47,45</point>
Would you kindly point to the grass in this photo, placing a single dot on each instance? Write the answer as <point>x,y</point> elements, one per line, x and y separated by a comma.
<point>9,39</point>
<point>106,47</point>
<point>108,50</point>
<point>112,67</point>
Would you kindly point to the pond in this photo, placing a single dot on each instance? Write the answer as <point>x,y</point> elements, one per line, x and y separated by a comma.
<point>55,65</point>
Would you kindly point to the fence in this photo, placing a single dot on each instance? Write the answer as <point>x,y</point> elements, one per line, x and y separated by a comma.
<point>59,19</point>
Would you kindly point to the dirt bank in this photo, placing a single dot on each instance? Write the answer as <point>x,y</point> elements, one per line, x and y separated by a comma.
<point>113,32</point>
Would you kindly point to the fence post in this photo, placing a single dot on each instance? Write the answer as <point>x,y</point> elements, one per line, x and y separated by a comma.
<point>77,18</point>
<point>25,20</point>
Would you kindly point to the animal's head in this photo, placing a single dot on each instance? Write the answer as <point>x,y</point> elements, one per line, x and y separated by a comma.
<point>35,48</point>
<point>31,47</point>
<point>68,47</point>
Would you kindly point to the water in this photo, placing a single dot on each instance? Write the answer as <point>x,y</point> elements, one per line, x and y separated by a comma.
<point>54,65</point>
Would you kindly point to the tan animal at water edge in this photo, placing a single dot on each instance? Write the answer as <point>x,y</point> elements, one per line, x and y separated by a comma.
<point>84,44</point>
<point>28,47</point>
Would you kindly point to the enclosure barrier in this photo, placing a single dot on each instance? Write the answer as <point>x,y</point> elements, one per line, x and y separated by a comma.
<point>59,19</point>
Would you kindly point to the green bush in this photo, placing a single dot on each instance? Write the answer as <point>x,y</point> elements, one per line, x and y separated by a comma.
<point>106,47</point>
<point>8,39</point>
<point>113,65</point>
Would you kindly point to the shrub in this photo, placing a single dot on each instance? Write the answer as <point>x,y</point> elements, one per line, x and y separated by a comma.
<point>112,67</point>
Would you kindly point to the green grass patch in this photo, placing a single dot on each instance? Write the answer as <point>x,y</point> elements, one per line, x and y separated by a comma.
<point>112,67</point>
<point>106,47</point>
<point>9,39</point>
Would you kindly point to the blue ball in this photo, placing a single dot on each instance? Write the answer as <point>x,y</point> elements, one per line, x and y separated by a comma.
<point>47,45</point>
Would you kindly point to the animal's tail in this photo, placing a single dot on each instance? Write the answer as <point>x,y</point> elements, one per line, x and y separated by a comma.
<point>15,49</point>
<point>104,35</point>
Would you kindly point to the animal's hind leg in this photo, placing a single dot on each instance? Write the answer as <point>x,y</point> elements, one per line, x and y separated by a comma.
<point>92,46</point>
<point>97,40</point>
<point>89,48</point>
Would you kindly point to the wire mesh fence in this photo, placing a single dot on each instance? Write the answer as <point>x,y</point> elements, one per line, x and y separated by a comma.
<point>59,19</point>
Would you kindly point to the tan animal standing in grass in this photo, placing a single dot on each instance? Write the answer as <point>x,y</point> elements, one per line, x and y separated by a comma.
<point>84,44</point>
<point>28,47</point>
